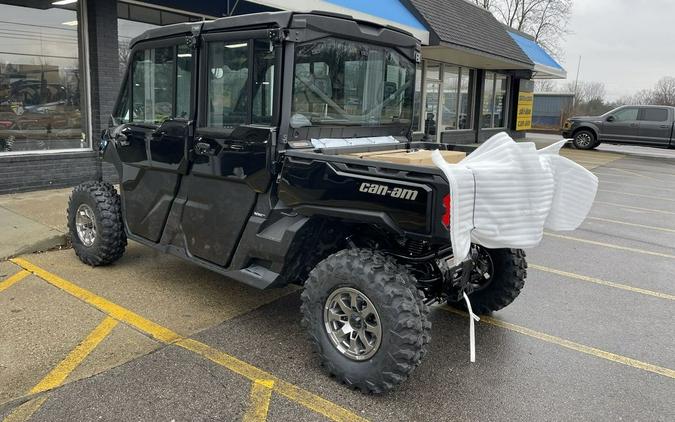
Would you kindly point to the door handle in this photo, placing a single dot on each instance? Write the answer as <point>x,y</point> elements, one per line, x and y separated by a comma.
<point>122,137</point>
<point>204,148</point>
<point>664,126</point>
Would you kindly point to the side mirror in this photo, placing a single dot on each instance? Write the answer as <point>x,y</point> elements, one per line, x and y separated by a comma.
<point>611,118</point>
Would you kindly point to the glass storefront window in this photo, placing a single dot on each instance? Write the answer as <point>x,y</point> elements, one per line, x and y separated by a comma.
<point>448,98</point>
<point>450,91</point>
<point>495,92</point>
<point>465,97</point>
<point>42,99</point>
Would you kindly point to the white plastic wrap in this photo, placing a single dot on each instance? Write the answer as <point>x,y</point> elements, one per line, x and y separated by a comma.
<point>505,193</point>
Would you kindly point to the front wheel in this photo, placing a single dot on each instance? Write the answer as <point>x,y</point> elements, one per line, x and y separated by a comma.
<point>585,139</point>
<point>498,277</point>
<point>95,223</point>
<point>366,318</point>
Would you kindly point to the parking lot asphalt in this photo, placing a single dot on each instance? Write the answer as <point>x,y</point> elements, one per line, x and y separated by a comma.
<point>153,338</point>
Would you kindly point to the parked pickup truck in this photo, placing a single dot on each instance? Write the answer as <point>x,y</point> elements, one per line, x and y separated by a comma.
<point>639,125</point>
<point>225,140</point>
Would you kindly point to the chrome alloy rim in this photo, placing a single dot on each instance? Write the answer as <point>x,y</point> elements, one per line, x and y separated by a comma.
<point>583,139</point>
<point>85,223</point>
<point>352,323</point>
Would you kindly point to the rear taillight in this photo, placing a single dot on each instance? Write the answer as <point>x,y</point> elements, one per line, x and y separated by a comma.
<point>446,215</point>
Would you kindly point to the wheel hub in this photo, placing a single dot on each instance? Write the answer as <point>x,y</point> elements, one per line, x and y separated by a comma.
<point>352,323</point>
<point>85,224</point>
<point>584,139</point>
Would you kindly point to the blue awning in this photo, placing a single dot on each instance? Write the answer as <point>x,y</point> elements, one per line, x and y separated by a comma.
<point>545,67</point>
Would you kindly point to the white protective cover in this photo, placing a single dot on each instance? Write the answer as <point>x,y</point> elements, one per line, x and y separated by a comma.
<point>505,193</point>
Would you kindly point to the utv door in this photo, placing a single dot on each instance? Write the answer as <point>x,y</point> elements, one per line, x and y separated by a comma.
<point>151,140</point>
<point>232,142</point>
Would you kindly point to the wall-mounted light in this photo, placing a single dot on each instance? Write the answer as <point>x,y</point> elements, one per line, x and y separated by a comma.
<point>63,2</point>
<point>182,55</point>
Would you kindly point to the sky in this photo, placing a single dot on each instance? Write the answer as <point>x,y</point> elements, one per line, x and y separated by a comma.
<point>627,44</point>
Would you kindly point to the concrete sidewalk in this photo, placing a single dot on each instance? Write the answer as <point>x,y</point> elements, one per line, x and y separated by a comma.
<point>32,222</point>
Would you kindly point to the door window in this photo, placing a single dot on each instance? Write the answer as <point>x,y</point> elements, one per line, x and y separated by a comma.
<point>161,81</point>
<point>152,85</point>
<point>654,115</point>
<point>626,114</point>
<point>228,97</point>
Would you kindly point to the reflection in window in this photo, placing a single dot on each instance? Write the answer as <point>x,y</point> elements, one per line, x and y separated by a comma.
<point>183,80</point>
<point>40,80</point>
<point>450,91</point>
<point>339,82</point>
<point>227,84</point>
<point>495,94</point>
<point>263,90</point>
<point>152,85</point>
<point>417,104</point>
<point>453,94</point>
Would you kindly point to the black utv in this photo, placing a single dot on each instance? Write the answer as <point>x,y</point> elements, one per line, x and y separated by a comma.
<point>241,145</point>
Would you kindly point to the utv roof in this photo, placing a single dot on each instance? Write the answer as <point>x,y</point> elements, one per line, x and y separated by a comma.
<point>250,21</point>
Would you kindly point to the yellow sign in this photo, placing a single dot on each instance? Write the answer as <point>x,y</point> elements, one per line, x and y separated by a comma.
<point>524,115</point>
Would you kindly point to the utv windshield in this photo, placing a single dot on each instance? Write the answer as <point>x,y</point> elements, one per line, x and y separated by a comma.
<point>341,82</point>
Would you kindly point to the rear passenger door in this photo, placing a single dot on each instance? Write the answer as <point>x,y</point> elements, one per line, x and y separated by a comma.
<point>656,125</point>
<point>231,149</point>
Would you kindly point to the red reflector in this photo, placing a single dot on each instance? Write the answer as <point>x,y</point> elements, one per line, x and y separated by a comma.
<point>446,214</point>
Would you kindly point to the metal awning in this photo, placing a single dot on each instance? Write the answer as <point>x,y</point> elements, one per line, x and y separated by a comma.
<point>545,67</point>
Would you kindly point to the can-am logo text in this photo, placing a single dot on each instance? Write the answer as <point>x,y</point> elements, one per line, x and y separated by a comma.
<point>383,190</point>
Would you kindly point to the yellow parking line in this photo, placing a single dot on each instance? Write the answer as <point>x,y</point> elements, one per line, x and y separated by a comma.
<point>601,282</point>
<point>26,410</point>
<point>610,245</point>
<point>636,194</point>
<point>305,398</point>
<point>290,391</point>
<point>261,394</point>
<point>630,207</point>
<point>12,280</point>
<point>112,309</point>
<point>59,374</point>
<point>626,223</point>
<point>613,357</point>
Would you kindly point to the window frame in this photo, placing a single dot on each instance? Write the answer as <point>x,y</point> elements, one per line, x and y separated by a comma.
<point>244,36</point>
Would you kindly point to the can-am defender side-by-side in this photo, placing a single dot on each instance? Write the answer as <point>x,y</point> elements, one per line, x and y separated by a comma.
<point>243,144</point>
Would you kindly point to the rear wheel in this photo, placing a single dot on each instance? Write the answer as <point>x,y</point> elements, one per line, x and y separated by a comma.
<point>585,139</point>
<point>95,223</point>
<point>366,318</point>
<point>499,276</point>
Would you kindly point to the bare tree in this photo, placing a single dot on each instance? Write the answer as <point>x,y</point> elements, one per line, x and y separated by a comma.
<point>545,20</point>
<point>664,92</point>
<point>485,4</point>
<point>545,85</point>
<point>641,97</point>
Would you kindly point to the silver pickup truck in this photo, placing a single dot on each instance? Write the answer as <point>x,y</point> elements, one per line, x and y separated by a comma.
<point>638,125</point>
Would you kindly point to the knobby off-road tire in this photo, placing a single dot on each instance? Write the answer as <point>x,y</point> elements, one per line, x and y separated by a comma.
<point>507,280</point>
<point>403,318</point>
<point>97,206</point>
